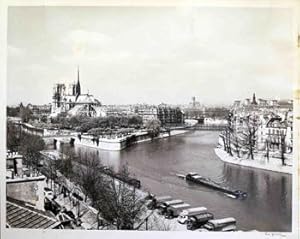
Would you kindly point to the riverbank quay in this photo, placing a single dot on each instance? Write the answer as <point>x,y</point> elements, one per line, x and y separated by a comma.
<point>112,142</point>
<point>74,209</point>
<point>87,217</point>
<point>78,213</point>
<point>260,162</point>
<point>122,142</point>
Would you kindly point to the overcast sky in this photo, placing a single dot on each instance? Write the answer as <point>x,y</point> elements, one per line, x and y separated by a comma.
<point>150,55</point>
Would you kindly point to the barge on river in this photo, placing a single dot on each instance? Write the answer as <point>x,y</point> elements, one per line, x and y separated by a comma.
<point>196,178</point>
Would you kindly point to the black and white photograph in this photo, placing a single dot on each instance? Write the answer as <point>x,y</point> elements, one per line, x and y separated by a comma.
<point>150,118</point>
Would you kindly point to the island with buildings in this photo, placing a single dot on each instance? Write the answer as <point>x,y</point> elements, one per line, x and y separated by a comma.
<point>259,134</point>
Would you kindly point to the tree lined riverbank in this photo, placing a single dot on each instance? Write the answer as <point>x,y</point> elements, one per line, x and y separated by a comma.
<point>274,164</point>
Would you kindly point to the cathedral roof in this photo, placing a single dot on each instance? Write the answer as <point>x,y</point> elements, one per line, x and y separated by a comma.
<point>86,98</point>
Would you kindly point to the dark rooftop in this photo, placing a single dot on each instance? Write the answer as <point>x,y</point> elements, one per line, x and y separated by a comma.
<point>18,216</point>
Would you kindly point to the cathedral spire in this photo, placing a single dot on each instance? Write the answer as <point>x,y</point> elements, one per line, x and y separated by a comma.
<point>254,100</point>
<point>78,88</point>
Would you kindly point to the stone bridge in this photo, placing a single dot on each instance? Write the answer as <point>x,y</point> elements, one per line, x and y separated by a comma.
<point>201,127</point>
<point>55,139</point>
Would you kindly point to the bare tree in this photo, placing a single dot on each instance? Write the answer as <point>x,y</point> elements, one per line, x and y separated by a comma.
<point>224,140</point>
<point>25,113</point>
<point>118,203</point>
<point>236,144</point>
<point>268,149</point>
<point>50,170</point>
<point>153,128</point>
<point>12,136</point>
<point>87,173</point>
<point>282,147</point>
<point>65,165</point>
<point>249,135</point>
<point>30,147</point>
<point>228,133</point>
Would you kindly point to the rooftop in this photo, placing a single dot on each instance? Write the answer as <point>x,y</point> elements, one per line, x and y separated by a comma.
<point>18,216</point>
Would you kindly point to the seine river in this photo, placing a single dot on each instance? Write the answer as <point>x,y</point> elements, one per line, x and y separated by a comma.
<point>268,206</point>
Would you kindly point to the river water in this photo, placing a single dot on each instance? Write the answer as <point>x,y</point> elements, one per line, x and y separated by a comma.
<point>268,206</point>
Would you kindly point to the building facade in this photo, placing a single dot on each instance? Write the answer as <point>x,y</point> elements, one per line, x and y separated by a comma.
<point>166,114</point>
<point>273,125</point>
<point>170,115</point>
<point>21,184</point>
<point>147,112</point>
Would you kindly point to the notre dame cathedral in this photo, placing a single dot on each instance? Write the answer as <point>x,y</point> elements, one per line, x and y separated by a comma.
<point>69,99</point>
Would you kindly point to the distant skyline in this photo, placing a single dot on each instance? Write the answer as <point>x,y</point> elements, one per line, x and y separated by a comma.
<point>151,55</point>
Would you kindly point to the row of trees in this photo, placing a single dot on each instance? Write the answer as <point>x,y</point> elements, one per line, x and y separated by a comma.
<point>24,112</point>
<point>244,139</point>
<point>83,123</point>
<point>26,144</point>
<point>117,203</point>
<point>108,125</point>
